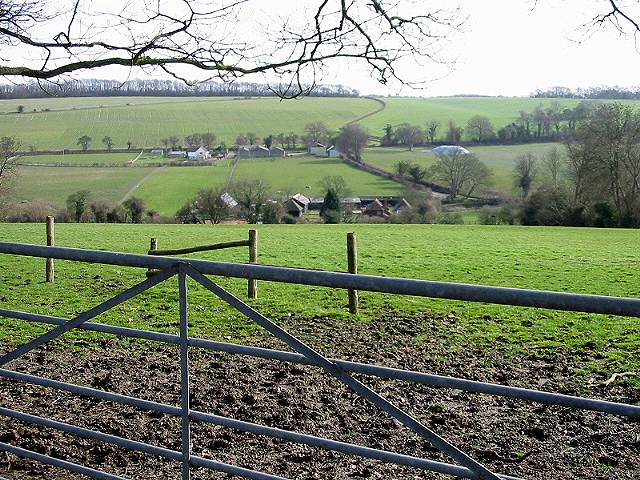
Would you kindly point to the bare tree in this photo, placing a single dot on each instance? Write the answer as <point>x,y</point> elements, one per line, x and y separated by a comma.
<point>352,140</point>
<point>432,129</point>
<point>409,135</point>
<point>460,172</point>
<point>454,133</point>
<point>552,163</point>
<point>185,37</point>
<point>316,132</point>
<point>480,128</point>
<point>335,183</point>
<point>210,205</point>
<point>524,173</point>
<point>251,195</point>
<point>9,147</point>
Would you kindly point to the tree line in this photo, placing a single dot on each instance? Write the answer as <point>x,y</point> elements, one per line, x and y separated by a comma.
<point>594,93</point>
<point>551,123</point>
<point>594,180</point>
<point>156,87</point>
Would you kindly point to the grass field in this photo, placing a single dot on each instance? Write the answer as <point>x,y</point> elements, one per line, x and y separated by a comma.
<point>80,159</point>
<point>500,110</point>
<point>595,261</point>
<point>55,184</point>
<point>303,174</point>
<point>169,188</point>
<point>499,158</point>
<point>146,123</point>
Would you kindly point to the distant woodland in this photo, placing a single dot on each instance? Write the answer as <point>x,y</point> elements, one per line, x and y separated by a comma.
<point>156,88</point>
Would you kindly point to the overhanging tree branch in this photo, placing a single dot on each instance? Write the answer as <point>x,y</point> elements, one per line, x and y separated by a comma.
<point>221,37</point>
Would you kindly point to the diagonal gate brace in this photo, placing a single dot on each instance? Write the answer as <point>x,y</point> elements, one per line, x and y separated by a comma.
<point>88,315</point>
<point>340,374</point>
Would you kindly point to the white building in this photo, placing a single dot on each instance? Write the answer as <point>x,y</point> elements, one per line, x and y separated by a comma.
<point>333,152</point>
<point>318,149</point>
<point>200,154</point>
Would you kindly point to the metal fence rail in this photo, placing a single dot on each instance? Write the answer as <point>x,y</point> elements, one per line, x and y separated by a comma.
<point>466,466</point>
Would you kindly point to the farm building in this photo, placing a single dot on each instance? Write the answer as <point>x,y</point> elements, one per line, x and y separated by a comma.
<point>318,149</point>
<point>253,151</point>
<point>377,209</point>
<point>177,154</point>
<point>400,206</point>
<point>157,151</point>
<point>228,200</point>
<point>277,152</point>
<point>200,154</point>
<point>297,205</point>
<point>333,152</point>
<point>350,204</point>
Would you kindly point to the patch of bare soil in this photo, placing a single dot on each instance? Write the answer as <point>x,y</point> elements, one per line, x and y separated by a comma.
<point>513,437</point>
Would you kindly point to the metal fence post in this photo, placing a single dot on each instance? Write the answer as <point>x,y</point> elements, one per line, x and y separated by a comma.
<point>184,373</point>
<point>252,287</point>
<point>51,240</point>
<point>352,259</point>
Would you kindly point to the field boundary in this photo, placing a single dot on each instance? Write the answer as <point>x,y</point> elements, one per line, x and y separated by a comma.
<point>140,182</point>
<point>381,106</point>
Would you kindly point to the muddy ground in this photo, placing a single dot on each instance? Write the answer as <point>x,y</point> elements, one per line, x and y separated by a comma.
<point>522,439</point>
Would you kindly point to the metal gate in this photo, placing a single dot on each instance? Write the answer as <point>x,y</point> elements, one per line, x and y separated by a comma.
<point>465,466</point>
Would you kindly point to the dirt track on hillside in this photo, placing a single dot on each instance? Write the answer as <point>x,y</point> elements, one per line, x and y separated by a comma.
<point>512,437</point>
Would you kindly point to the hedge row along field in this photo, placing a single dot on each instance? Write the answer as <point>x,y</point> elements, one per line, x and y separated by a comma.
<point>596,261</point>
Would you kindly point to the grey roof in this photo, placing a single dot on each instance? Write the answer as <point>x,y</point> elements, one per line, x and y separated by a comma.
<point>448,149</point>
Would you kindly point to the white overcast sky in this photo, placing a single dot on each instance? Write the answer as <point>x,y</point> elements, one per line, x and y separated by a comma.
<point>506,47</point>
<point>511,48</point>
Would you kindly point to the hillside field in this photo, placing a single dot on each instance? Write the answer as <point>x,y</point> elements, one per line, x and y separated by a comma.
<point>145,122</point>
<point>500,110</point>
<point>584,260</point>
<point>500,159</point>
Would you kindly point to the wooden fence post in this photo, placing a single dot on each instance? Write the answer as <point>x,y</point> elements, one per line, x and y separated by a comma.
<point>51,240</point>
<point>352,258</point>
<point>153,245</point>
<point>253,258</point>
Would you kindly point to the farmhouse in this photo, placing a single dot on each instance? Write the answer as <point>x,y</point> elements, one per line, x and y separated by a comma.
<point>200,154</point>
<point>318,149</point>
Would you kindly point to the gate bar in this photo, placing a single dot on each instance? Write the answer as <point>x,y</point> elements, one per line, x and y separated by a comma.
<point>425,288</point>
<point>439,381</point>
<point>334,370</point>
<point>137,446</point>
<point>325,443</point>
<point>56,462</point>
<point>88,315</point>
<point>184,372</point>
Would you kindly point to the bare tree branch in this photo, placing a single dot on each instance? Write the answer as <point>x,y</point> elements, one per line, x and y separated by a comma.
<point>220,38</point>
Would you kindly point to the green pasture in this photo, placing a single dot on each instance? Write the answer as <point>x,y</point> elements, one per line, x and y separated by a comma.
<point>304,173</point>
<point>55,184</point>
<point>169,188</point>
<point>146,123</point>
<point>596,261</point>
<point>499,158</point>
<point>500,110</point>
<point>79,103</point>
<point>80,159</point>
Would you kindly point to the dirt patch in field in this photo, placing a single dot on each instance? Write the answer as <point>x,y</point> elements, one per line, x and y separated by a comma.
<point>522,439</point>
